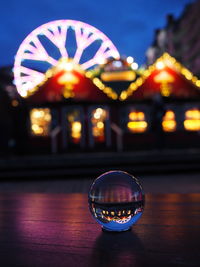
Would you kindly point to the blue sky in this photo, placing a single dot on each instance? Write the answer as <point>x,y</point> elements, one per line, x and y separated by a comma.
<point>130,24</point>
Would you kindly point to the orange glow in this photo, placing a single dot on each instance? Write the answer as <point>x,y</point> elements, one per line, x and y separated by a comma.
<point>137,123</point>
<point>169,122</point>
<point>192,120</point>
<point>137,126</point>
<point>75,126</point>
<point>99,116</point>
<point>40,121</point>
<point>76,129</point>
<point>136,116</point>
<point>160,65</point>
<point>164,78</point>
<point>118,76</point>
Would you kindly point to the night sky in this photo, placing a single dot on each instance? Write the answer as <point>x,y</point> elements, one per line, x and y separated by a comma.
<point>130,24</point>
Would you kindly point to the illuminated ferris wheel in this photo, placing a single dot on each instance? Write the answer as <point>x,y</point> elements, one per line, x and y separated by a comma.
<point>46,45</point>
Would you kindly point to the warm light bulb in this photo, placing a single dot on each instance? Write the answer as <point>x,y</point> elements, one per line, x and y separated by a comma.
<point>68,66</point>
<point>134,66</point>
<point>160,65</point>
<point>129,60</point>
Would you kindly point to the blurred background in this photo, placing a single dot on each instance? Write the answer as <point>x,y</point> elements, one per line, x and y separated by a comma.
<point>85,88</point>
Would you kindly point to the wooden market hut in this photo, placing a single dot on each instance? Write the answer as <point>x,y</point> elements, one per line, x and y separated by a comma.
<point>178,91</point>
<point>113,107</point>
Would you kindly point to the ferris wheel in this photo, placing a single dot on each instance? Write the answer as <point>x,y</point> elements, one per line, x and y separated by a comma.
<point>46,45</point>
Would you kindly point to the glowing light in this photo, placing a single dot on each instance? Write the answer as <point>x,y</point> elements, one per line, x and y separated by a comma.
<point>118,76</point>
<point>101,61</point>
<point>76,128</point>
<point>169,122</point>
<point>99,116</point>
<point>107,90</point>
<point>98,113</point>
<point>137,126</point>
<point>68,78</point>
<point>137,123</point>
<point>136,115</point>
<point>160,65</point>
<point>68,66</point>
<point>164,60</point>
<point>100,124</point>
<point>117,63</point>
<point>15,103</point>
<point>163,76</point>
<point>198,83</point>
<point>23,93</point>
<point>33,49</point>
<point>134,66</point>
<point>123,95</point>
<point>192,120</point>
<point>139,81</point>
<point>129,60</point>
<point>40,121</point>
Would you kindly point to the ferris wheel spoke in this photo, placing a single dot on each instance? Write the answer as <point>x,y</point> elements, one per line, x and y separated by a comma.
<point>110,53</point>
<point>38,47</point>
<point>28,71</point>
<point>83,40</point>
<point>88,64</point>
<point>31,74</point>
<point>100,54</point>
<point>52,61</point>
<point>82,47</point>
<point>101,51</point>
<point>58,38</point>
<point>38,57</point>
<point>78,54</point>
<point>36,51</point>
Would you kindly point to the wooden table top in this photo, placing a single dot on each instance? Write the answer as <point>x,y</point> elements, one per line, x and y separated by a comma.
<point>58,230</point>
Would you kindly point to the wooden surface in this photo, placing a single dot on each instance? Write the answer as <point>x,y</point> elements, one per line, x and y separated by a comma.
<point>58,230</point>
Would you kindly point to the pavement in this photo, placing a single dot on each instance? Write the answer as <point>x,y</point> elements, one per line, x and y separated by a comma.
<point>183,183</point>
<point>168,171</point>
<point>91,164</point>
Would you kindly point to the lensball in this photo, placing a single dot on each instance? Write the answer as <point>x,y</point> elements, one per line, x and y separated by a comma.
<point>116,200</point>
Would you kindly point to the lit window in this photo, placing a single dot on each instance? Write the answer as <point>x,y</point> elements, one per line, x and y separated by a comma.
<point>137,122</point>
<point>75,126</point>
<point>40,121</point>
<point>192,120</point>
<point>99,116</point>
<point>169,122</point>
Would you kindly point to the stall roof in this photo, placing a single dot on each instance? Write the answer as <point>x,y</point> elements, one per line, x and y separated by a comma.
<point>62,85</point>
<point>165,76</point>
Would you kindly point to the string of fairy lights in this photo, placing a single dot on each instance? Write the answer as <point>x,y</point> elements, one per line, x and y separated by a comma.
<point>164,61</point>
<point>160,63</point>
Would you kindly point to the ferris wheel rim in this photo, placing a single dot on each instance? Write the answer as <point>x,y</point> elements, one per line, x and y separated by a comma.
<point>42,30</point>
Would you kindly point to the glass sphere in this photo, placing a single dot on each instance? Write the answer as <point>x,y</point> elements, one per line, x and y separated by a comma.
<point>116,200</point>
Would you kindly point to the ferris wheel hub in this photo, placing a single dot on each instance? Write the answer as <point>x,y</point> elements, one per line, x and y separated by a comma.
<point>35,59</point>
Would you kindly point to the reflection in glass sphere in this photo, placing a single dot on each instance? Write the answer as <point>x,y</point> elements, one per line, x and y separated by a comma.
<point>116,200</point>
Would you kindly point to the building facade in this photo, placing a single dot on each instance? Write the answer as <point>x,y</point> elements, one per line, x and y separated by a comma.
<point>115,108</point>
<point>180,38</point>
<point>91,99</point>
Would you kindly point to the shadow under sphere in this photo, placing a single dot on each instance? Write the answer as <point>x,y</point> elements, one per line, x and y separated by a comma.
<point>117,249</point>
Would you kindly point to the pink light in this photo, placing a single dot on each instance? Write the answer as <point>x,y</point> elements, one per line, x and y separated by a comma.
<point>33,49</point>
<point>31,72</point>
<point>58,38</point>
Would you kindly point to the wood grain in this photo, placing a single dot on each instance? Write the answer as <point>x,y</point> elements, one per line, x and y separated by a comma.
<point>58,230</point>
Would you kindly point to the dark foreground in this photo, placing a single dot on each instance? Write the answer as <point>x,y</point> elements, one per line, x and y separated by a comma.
<point>58,230</point>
